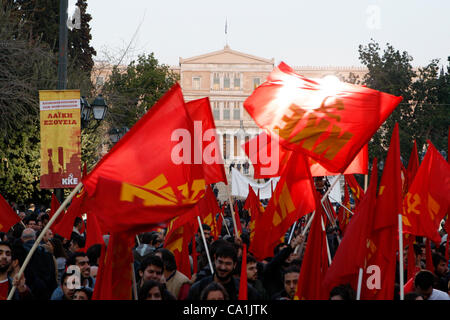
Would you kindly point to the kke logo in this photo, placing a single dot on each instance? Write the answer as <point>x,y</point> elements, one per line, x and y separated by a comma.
<point>70,180</point>
<point>204,148</point>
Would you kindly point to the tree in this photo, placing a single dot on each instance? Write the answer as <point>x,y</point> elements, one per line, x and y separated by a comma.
<point>132,92</point>
<point>421,115</point>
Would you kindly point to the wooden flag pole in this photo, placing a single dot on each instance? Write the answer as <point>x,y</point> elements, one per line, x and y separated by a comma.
<point>400,251</point>
<point>134,282</point>
<point>225,223</point>
<point>342,205</point>
<point>292,232</point>
<point>358,292</point>
<point>43,232</point>
<point>206,245</point>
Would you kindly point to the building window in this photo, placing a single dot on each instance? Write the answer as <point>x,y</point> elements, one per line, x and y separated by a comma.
<point>226,110</point>
<point>237,81</point>
<point>196,83</point>
<point>216,110</point>
<point>100,81</point>
<point>256,83</point>
<point>216,81</point>
<point>236,111</point>
<point>226,143</point>
<point>226,81</point>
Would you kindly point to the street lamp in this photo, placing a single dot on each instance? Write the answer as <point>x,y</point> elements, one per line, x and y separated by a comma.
<point>99,108</point>
<point>86,110</point>
<point>116,134</point>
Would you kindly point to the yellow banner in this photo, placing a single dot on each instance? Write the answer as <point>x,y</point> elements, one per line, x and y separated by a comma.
<point>60,138</point>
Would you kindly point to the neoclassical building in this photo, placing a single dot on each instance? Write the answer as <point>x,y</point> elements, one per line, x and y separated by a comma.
<point>228,77</point>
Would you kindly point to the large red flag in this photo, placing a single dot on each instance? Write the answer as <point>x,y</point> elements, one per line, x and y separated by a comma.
<point>383,243</point>
<point>209,211</point>
<point>94,234</point>
<point>351,253</point>
<point>428,198</point>
<point>330,122</point>
<point>293,198</point>
<point>65,225</point>
<point>205,129</point>
<point>115,281</point>
<point>315,261</point>
<point>269,158</point>
<point>54,206</point>
<point>254,207</point>
<point>148,176</point>
<point>243,285</point>
<point>413,165</point>
<point>356,189</point>
<point>8,217</point>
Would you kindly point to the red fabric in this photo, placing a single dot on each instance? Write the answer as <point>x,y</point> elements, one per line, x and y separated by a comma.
<point>158,188</point>
<point>65,226</point>
<point>179,232</point>
<point>383,243</point>
<point>54,206</point>
<point>293,198</point>
<point>315,262</point>
<point>255,209</point>
<point>351,253</point>
<point>115,282</point>
<point>343,214</point>
<point>238,219</point>
<point>96,295</point>
<point>243,286</point>
<point>427,201</point>
<point>209,211</point>
<point>184,291</point>
<point>204,128</point>
<point>329,124</point>
<point>413,165</point>
<point>359,165</point>
<point>356,189</point>
<point>94,234</point>
<point>409,285</point>
<point>411,257</point>
<point>8,217</point>
<point>219,223</point>
<point>4,286</point>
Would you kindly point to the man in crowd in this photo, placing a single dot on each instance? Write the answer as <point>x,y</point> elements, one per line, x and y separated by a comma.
<point>290,279</point>
<point>152,269</point>
<point>6,283</point>
<point>423,282</point>
<point>252,277</point>
<point>225,262</point>
<point>441,272</point>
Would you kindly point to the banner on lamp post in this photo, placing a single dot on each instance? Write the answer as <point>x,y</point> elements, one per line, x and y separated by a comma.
<point>60,138</point>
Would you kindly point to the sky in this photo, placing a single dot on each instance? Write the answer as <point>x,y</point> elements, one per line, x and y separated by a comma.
<point>298,32</point>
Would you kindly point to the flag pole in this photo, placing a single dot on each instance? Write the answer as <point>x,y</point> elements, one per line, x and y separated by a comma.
<point>358,292</point>
<point>232,212</point>
<point>226,227</point>
<point>292,232</point>
<point>299,248</point>
<point>206,245</point>
<point>134,282</point>
<point>366,180</point>
<point>43,232</point>
<point>400,251</point>
<point>326,241</point>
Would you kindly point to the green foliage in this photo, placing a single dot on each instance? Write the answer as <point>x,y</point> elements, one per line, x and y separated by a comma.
<point>132,92</point>
<point>422,114</point>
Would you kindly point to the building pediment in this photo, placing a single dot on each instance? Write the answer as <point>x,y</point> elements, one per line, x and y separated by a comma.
<point>226,56</point>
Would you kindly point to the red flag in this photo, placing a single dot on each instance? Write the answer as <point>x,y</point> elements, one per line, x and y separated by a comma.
<point>54,206</point>
<point>315,261</point>
<point>204,128</point>
<point>447,229</point>
<point>269,158</point>
<point>383,243</point>
<point>179,232</point>
<point>209,212</point>
<point>428,256</point>
<point>238,219</point>
<point>412,269</point>
<point>219,223</point>
<point>94,234</point>
<point>243,285</point>
<point>65,226</point>
<point>428,198</point>
<point>356,189</point>
<point>293,198</point>
<point>351,253</point>
<point>162,180</point>
<point>343,214</point>
<point>96,295</point>
<point>328,122</point>
<point>8,217</point>
<point>115,271</point>
<point>254,207</point>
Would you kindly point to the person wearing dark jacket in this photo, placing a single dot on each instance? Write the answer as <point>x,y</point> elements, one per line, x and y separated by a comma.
<point>225,262</point>
<point>273,271</point>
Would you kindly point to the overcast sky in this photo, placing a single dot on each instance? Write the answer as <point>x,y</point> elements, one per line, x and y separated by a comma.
<point>298,32</point>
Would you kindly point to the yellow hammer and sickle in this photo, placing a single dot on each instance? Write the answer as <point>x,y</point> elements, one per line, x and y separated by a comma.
<point>412,206</point>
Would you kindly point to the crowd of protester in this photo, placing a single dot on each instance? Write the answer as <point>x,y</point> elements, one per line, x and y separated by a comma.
<point>49,275</point>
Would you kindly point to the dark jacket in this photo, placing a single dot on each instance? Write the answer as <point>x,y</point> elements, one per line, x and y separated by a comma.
<point>232,288</point>
<point>273,272</point>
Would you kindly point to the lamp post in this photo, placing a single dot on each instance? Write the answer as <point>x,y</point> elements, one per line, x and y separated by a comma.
<point>97,109</point>
<point>116,134</point>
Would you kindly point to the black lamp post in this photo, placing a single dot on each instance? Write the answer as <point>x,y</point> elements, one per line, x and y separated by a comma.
<point>97,109</point>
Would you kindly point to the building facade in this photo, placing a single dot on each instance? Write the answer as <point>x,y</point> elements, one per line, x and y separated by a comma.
<point>228,77</point>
